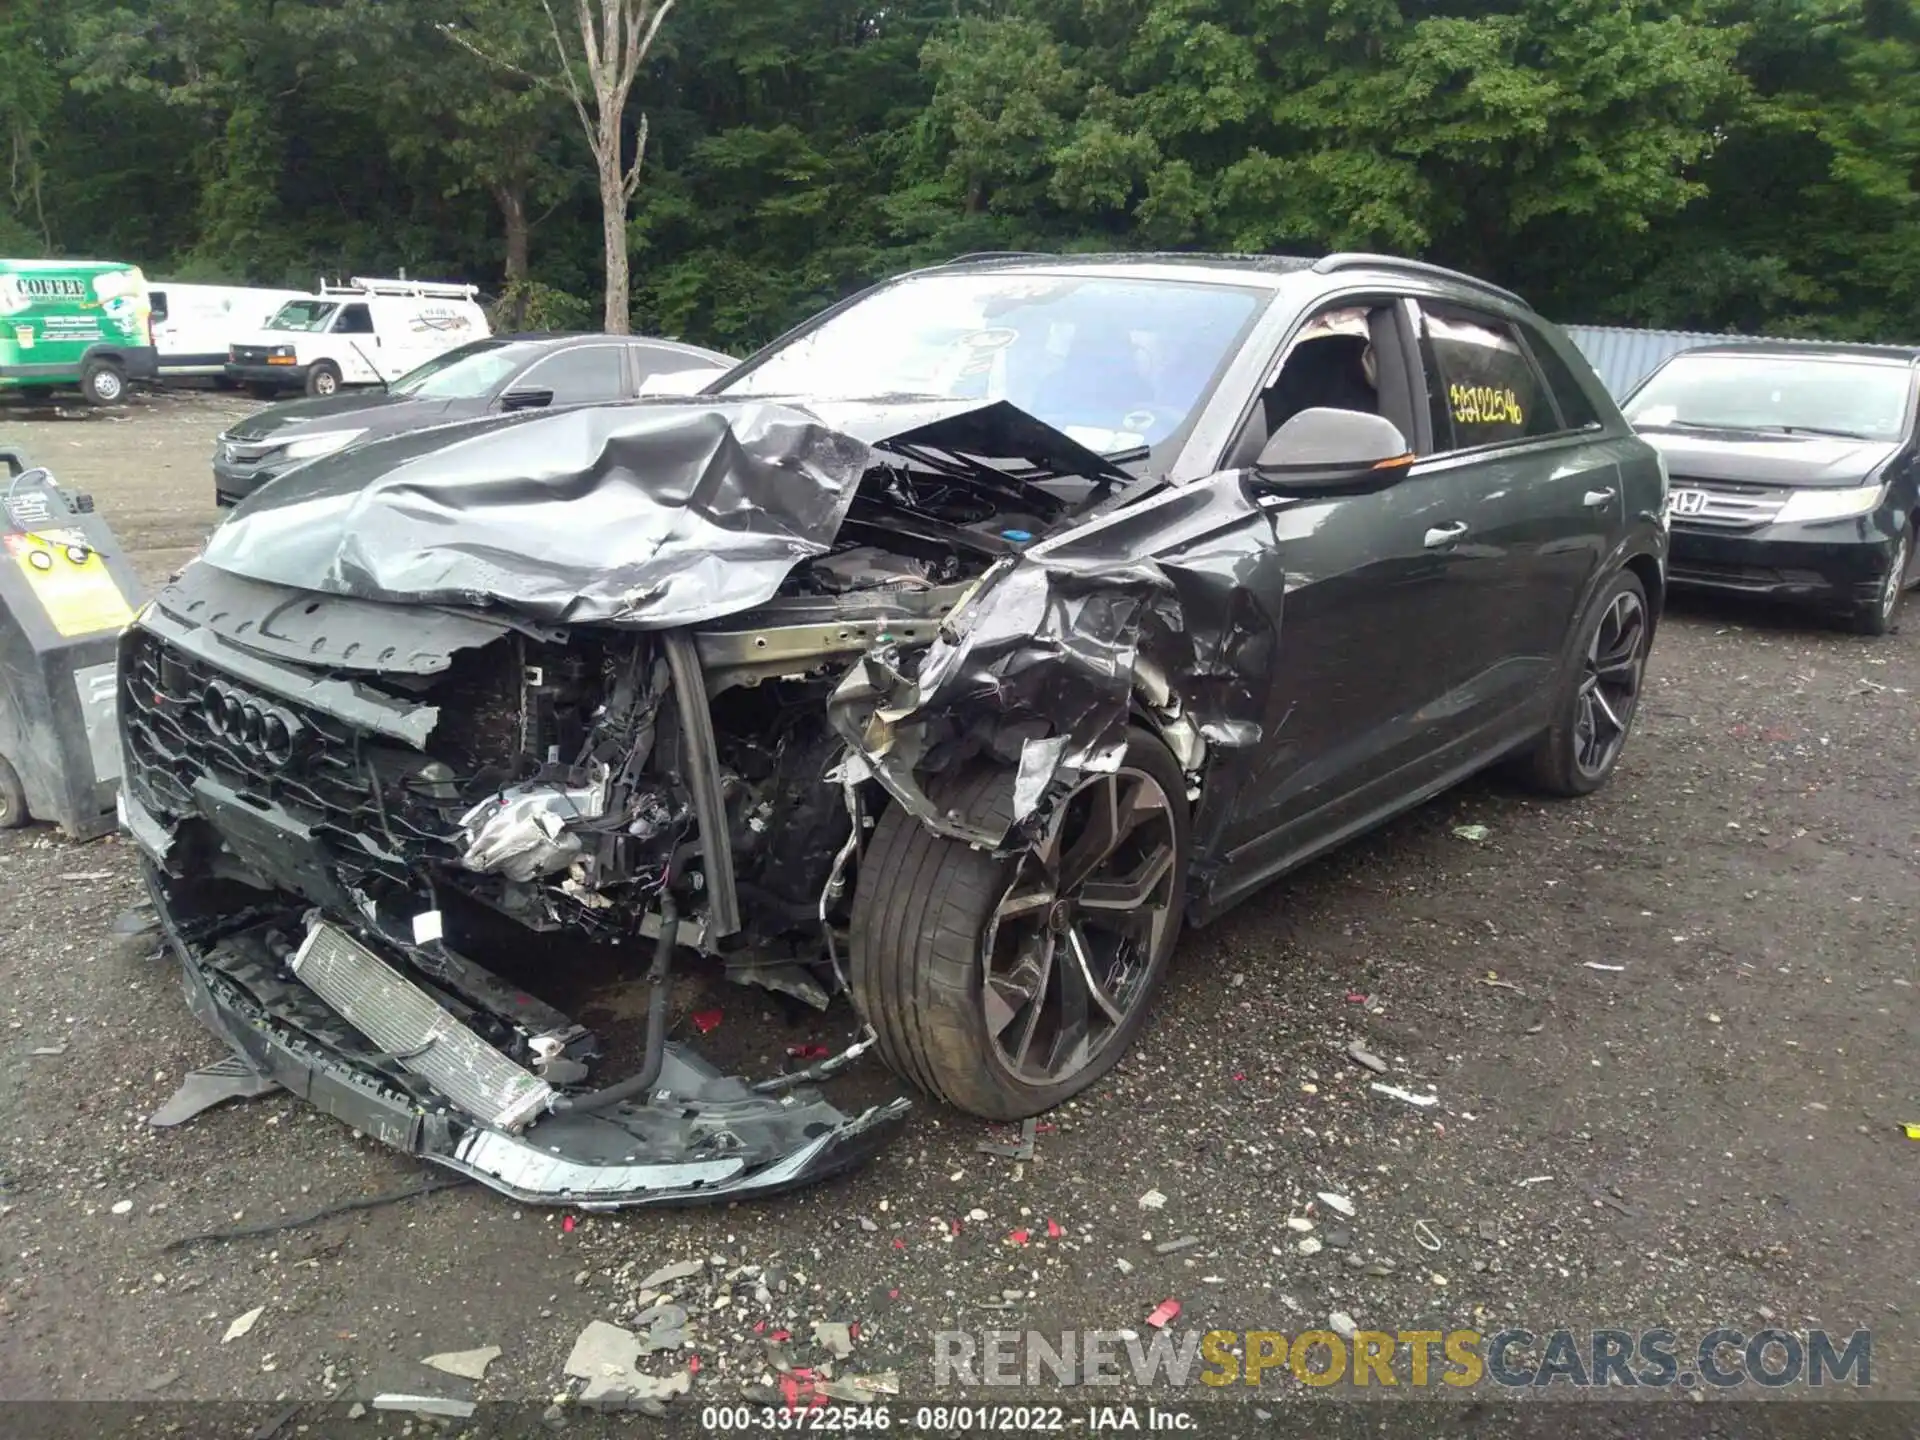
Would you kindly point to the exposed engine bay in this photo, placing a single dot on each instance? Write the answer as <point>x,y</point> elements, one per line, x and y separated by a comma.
<point>365,806</point>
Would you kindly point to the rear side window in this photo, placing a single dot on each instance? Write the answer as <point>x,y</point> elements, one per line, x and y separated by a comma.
<point>157,303</point>
<point>1480,385</point>
<point>1577,410</point>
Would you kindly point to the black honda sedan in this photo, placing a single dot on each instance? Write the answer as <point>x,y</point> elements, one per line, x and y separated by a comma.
<point>950,655</point>
<point>1793,470</point>
<point>492,376</point>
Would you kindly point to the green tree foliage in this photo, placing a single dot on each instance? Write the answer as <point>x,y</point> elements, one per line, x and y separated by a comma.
<point>1676,162</point>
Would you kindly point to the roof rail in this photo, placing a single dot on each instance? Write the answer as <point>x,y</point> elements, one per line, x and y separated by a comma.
<point>422,289</point>
<point>1362,260</point>
<point>999,255</point>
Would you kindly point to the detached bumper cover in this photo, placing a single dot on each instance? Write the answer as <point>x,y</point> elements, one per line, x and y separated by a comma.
<point>701,1136</point>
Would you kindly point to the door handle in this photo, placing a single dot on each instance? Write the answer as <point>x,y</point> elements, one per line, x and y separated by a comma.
<point>1442,536</point>
<point>1596,498</point>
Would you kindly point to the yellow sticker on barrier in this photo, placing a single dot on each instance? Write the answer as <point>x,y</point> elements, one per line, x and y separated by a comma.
<point>71,582</point>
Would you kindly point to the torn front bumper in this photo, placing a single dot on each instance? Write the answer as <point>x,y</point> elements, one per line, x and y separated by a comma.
<point>699,1136</point>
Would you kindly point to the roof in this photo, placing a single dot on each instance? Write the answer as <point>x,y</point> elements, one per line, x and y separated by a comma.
<point>1623,356</point>
<point>561,338</point>
<point>1816,349</point>
<point>1243,266</point>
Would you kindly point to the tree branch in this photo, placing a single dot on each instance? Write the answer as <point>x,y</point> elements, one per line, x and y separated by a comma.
<point>545,81</point>
<point>566,73</point>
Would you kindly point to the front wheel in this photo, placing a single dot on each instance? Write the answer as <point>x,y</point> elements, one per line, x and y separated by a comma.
<point>13,798</point>
<point>1597,700</point>
<point>1877,615</point>
<point>1006,987</point>
<point>323,379</point>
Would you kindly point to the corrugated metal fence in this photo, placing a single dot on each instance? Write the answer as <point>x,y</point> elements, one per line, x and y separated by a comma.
<point>1623,358</point>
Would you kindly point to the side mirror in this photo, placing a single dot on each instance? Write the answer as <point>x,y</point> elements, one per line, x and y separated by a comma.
<point>1325,449</point>
<point>526,400</point>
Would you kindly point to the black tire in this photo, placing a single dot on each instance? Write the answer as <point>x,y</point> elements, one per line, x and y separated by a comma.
<point>921,912</point>
<point>13,798</point>
<point>1877,616</point>
<point>102,381</point>
<point>1558,763</point>
<point>323,378</point>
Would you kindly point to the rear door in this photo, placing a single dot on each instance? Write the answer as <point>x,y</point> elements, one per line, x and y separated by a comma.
<point>1541,504</point>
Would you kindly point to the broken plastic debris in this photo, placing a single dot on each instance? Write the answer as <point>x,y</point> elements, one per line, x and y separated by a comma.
<point>1018,1237</point>
<point>1596,965</point>
<point>1164,1312</point>
<point>1423,1232</point>
<point>808,1052</point>
<point>1174,1247</point>
<point>1339,1204</point>
<point>121,1207</point>
<point>1360,1055</point>
<point>1536,1180</point>
<point>467,1364</point>
<point>1152,1200</point>
<point>59,1049</point>
<point>1054,1230</point>
<point>566,1225</point>
<point>667,1274</point>
<point>426,1405</point>
<point>706,1021</point>
<point>1471,832</point>
<point>1913,1131</point>
<point>1407,1095</point>
<point>243,1324</point>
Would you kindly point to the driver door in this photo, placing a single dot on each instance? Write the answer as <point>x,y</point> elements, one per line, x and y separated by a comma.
<point>1358,713</point>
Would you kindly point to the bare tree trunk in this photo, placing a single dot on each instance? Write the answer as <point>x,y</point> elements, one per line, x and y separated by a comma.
<point>512,199</point>
<point>613,222</point>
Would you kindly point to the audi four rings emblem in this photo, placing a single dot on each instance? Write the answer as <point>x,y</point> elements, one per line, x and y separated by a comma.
<point>255,727</point>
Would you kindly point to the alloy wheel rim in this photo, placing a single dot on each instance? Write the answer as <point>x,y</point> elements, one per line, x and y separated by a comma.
<point>107,385</point>
<point>1896,578</point>
<point>1610,685</point>
<point>1070,947</point>
<point>323,384</point>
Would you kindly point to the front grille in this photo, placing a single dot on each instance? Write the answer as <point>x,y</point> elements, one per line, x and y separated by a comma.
<point>1727,506</point>
<point>250,354</point>
<point>371,800</point>
<point>245,454</point>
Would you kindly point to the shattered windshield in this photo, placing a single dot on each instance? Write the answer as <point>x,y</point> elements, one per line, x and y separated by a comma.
<point>303,315</point>
<point>1791,394</point>
<point>1117,363</point>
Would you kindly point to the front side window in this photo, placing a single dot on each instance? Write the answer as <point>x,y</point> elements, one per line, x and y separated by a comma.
<point>1481,388</point>
<point>585,376</point>
<point>355,320</point>
<point>1116,362</point>
<point>306,316</point>
<point>1785,394</point>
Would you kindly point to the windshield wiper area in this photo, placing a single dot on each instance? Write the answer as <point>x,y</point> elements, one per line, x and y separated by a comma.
<point>1751,429</point>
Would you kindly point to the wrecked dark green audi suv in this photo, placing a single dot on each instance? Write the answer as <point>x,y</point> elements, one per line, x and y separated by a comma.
<point>949,655</point>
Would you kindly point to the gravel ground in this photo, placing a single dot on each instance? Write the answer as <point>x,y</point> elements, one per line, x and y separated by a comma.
<point>1671,1028</point>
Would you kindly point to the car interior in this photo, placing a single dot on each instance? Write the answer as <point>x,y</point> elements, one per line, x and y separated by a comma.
<point>1346,359</point>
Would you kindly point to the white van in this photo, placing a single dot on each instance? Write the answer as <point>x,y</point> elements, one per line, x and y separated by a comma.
<point>365,332</point>
<point>194,326</point>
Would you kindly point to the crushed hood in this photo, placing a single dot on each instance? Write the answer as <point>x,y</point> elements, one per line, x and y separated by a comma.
<point>654,514</point>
